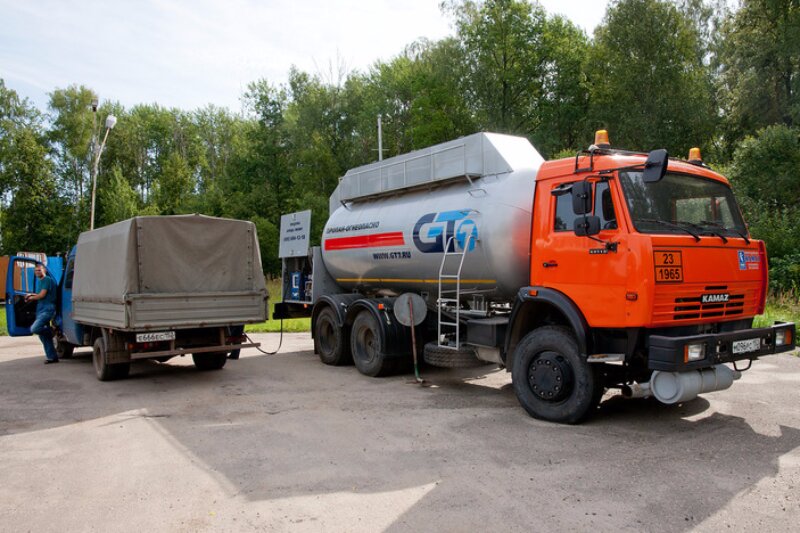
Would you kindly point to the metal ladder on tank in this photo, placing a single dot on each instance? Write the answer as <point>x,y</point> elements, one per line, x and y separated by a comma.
<point>442,300</point>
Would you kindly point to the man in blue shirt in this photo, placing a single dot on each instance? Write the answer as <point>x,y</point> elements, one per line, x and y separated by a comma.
<point>45,311</point>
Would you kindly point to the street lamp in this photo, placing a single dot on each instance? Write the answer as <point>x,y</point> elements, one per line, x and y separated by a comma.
<point>111,121</point>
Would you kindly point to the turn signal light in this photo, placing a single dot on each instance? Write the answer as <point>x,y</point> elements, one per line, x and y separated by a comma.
<point>694,155</point>
<point>694,352</point>
<point>631,296</point>
<point>601,139</point>
<point>783,337</point>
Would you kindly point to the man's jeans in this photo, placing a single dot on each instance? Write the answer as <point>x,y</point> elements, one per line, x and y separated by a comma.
<point>41,327</point>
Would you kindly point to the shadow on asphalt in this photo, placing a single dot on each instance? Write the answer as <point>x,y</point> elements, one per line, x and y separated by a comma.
<point>287,425</point>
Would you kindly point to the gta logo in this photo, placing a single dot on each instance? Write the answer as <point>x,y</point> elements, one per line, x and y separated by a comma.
<point>433,230</point>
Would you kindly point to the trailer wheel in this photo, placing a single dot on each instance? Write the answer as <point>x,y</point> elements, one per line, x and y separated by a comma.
<point>443,357</point>
<point>64,349</point>
<point>210,361</point>
<point>551,379</point>
<point>330,340</point>
<point>366,347</point>
<point>105,371</point>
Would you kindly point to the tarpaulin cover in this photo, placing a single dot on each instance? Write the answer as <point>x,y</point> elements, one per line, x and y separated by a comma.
<point>167,254</point>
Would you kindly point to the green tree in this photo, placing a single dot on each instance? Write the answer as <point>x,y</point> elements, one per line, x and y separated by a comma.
<point>33,220</point>
<point>116,199</point>
<point>173,186</point>
<point>505,61</point>
<point>649,86</point>
<point>70,135</point>
<point>16,114</point>
<point>760,67</point>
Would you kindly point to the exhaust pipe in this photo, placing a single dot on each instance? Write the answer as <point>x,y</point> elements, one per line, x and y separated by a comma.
<point>676,387</point>
<point>636,390</point>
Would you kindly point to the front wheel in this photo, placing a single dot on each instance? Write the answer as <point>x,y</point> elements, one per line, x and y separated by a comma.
<point>64,349</point>
<point>551,379</point>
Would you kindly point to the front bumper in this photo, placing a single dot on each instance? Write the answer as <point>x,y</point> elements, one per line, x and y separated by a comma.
<point>669,353</point>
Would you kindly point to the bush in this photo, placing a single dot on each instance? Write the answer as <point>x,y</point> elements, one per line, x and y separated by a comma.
<point>784,274</point>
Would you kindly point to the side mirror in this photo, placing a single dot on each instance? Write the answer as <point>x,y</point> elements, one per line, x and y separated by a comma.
<point>581,197</point>
<point>656,166</point>
<point>587,226</point>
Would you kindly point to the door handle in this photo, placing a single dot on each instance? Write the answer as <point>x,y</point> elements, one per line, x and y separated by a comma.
<point>550,264</point>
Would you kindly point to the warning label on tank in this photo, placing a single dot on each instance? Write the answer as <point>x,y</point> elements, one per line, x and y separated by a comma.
<point>669,266</point>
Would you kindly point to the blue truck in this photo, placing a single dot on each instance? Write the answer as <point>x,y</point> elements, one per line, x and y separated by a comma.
<point>151,288</point>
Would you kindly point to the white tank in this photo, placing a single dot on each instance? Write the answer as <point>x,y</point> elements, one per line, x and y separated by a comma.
<point>390,221</point>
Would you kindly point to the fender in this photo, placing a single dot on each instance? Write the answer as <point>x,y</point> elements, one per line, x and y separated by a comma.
<point>340,303</point>
<point>555,300</point>
<point>395,337</point>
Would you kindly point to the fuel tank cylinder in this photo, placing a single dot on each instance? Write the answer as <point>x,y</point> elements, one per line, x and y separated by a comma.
<point>393,241</point>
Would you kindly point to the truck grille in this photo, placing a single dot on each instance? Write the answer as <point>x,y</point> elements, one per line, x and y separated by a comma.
<point>686,303</point>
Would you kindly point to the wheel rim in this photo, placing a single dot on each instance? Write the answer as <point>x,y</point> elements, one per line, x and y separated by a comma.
<point>326,336</point>
<point>550,377</point>
<point>366,347</point>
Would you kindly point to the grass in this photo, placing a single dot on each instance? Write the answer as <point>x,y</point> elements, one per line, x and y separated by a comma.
<point>781,307</point>
<point>290,325</point>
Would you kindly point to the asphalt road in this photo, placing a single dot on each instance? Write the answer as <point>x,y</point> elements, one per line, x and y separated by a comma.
<point>285,443</point>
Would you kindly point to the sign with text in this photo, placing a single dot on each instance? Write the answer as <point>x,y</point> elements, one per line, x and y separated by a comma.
<point>295,231</point>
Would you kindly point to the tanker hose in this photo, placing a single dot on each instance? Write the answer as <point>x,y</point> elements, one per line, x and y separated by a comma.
<point>280,342</point>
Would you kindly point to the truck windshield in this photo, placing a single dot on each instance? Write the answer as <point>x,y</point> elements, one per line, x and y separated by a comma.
<point>680,203</point>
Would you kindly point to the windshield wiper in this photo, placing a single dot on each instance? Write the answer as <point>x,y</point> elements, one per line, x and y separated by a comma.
<point>703,228</point>
<point>734,230</point>
<point>669,225</point>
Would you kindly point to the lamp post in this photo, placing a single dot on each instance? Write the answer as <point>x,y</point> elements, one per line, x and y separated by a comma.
<point>111,121</point>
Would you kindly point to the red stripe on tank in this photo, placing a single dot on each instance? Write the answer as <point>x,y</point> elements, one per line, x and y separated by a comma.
<point>374,240</point>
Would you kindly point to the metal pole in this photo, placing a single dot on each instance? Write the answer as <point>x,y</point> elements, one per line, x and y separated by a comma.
<point>94,176</point>
<point>380,139</point>
<point>414,341</point>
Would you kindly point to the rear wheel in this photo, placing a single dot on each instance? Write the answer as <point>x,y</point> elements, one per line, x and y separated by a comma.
<point>105,371</point>
<point>551,379</point>
<point>210,361</point>
<point>367,348</point>
<point>330,340</point>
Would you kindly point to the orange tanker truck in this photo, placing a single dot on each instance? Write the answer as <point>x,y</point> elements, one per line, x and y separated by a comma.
<point>609,270</point>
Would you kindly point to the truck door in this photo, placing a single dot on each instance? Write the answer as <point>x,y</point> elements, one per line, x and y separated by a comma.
<point>589,273</point>
<point>72,331</point>
<point>20,280</point>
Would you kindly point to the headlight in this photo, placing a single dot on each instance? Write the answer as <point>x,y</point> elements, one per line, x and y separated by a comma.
<point>694,352</point>
<point>783,337</point>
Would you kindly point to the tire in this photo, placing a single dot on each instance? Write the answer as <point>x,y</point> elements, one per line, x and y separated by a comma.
<point>366,347</point>
<point>330,341</point>
<point>105,371</point>
<point>463,357</point>
<point>551,379</point>
<point>64,349</point>
<point>210,361</point>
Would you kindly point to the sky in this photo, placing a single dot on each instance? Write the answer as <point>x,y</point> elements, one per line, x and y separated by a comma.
<point>188,54</point>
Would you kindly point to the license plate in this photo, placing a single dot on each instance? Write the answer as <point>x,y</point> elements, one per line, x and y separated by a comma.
<point>155,337</point>
<point>747,345</point>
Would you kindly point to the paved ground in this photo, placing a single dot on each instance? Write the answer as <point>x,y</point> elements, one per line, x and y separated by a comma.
<point>286,443</point>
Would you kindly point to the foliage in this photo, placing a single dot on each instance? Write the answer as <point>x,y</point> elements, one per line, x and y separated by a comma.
<point>764,175</point>
<point>759,60</point>
<point>649,87</point>
<point>784,274</point>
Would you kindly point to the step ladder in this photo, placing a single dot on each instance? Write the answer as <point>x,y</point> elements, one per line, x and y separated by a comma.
<point>455,300</point>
